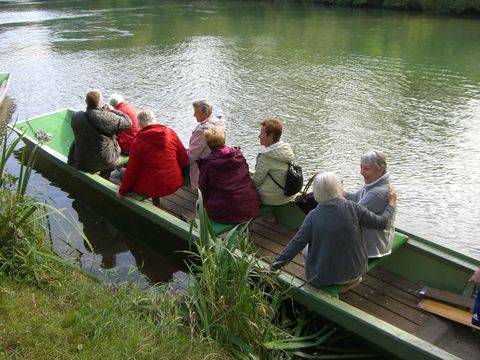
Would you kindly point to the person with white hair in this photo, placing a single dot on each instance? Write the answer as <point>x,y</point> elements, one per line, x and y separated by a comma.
<point>125,137</point>
<point>156,159</point>
<point>198,148</point>
<point>374,196</point>
<point>337,253</point>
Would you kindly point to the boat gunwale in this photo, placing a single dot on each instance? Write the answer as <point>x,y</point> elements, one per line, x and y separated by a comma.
<point>4,85</point>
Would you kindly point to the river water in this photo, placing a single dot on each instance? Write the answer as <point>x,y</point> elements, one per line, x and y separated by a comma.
<point>342,80</point>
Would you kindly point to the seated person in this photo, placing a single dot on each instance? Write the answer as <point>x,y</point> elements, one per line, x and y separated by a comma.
<point>156,159</point>
<point>197,148</point>
<point>94,148</point>
<point>272,164</point>
<point>228,192</point>
<point>337,253</point>
<point>374,196</point>
<point>125,137</point>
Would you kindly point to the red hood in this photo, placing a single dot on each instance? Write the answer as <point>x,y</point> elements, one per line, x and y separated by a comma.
<point>155,134</point>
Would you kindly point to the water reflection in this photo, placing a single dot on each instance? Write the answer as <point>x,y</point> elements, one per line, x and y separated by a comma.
<point>104,239</point>
<point>119,250</point>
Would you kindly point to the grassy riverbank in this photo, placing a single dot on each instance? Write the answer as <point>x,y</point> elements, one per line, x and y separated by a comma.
<point>74,317</point>
<point>50,308</point>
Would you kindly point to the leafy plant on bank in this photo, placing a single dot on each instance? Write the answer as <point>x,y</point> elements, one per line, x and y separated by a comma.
<point>24,223</point>
<point>234,301</point>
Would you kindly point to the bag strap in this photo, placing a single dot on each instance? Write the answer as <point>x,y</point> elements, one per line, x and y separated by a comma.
<point>280,186</point>
<point>92,124</point>
<point>271,177</point>
<point>309,183</point>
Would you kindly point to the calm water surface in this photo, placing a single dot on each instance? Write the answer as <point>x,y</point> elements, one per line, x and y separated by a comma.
<point>342,80</point>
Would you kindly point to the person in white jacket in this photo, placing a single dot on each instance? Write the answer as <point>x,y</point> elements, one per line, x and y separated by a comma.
<point>272,164</point>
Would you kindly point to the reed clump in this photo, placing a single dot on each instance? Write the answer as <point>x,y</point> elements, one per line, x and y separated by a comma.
<point>230,299</point>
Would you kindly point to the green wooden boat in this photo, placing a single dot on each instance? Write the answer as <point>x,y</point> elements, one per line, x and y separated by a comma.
<point>4,82</point>
<point>382,309</point>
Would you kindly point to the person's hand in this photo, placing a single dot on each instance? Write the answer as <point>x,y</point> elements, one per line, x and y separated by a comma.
<point>475,278</point>
<point>392,196</point>
<point>108,107</point>
<point>119,195</point>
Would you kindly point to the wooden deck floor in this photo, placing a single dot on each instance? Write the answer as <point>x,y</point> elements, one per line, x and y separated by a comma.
<point>381,293</point>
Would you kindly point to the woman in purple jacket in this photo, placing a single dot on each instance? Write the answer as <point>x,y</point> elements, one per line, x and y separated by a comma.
<point>228,191</point>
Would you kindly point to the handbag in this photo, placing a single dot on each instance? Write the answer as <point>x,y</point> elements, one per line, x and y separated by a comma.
<point>306,202</point>
<point>294,180</point>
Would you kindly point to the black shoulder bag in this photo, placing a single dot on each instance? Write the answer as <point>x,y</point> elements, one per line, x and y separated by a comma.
<point>294,181</point>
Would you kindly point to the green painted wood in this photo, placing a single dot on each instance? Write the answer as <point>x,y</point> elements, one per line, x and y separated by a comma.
<point>4,83</point>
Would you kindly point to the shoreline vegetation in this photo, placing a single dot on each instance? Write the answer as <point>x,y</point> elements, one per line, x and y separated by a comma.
<point>437,6</point>
<point>230,308</point>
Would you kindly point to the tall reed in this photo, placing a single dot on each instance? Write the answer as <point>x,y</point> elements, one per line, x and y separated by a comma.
<point>234,301</point>
<point>230,298</point>
<point>24,223</point>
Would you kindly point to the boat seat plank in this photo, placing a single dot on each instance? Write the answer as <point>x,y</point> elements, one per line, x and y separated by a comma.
<point>372,308</point>
<point>187,193</point>
<point>263,242</point>
<point>412,314</point>
<point>187,205</point>
<point>395,281</point>
<point>447,311</point>
<point>291,268</point>
<point>278,228</point>
<point>261,229</point>
<point>447,297</point>
<point>383,288</point>
<point>175,209</point>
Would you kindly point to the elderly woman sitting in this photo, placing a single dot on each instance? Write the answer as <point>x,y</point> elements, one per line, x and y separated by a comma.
<point>228,192</point>
<point>374,196</point>
<point>337,253</point>
<point>272,164</point>
<point>156,158</point>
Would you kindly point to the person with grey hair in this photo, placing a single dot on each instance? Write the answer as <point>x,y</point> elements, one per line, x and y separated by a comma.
<point>156,159</point>
<point>197,148</point>
<point>337,252</point>
<point>374,196</point>
<point>125,137</point>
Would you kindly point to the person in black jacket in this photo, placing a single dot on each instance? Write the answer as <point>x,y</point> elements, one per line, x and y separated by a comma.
<point>95,148</point>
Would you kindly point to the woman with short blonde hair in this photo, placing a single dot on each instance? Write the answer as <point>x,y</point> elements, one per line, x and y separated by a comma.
<point>228,192</point>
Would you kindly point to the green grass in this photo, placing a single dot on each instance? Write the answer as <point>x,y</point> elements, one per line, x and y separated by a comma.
<point>76,318</point>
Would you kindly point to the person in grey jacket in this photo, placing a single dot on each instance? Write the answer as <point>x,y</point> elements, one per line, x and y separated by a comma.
<point>337,253</point>
<point>374,196</point>
<point>94,147</point>
<point>272,164</point>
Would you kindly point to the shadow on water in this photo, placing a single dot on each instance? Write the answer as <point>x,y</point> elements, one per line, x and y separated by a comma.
<point>119,239</point>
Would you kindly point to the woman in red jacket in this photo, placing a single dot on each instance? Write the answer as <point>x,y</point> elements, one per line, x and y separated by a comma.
<point>156,158</point>
<point>228,192</point>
